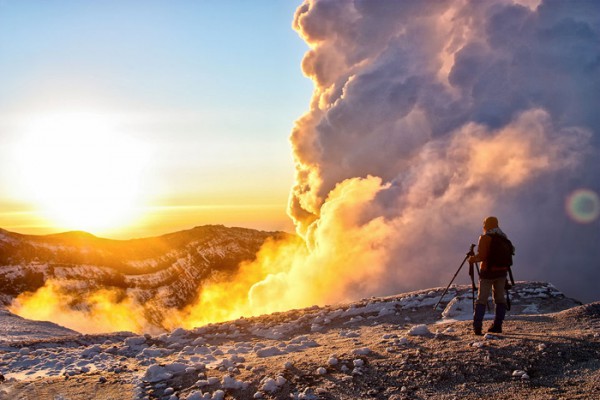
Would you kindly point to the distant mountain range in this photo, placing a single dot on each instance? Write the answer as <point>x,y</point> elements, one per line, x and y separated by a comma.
<point>166,270</point>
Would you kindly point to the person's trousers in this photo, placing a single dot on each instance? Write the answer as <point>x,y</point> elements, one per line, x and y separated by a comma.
<point>496,286</point>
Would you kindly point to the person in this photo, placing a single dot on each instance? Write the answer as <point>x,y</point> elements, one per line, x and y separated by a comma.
<point>493,273</point>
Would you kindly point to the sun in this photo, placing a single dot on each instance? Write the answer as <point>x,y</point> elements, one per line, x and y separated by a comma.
<point>81,171</point>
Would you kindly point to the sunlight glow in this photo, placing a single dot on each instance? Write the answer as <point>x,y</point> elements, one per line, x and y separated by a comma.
<point>81,170</point>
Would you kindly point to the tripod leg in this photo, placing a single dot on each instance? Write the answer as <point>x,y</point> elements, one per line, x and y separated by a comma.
<point>470,253</point>
<point>447,287</point>
<point>473,287</point>
<point>479,276</point>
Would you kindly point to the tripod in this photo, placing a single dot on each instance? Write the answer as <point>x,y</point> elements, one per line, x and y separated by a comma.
<point>509,286</point>
<point>473,286</point>
<point>469,254</point>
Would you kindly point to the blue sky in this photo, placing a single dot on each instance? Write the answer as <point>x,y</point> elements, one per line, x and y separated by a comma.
<point>182,53</point>
<point>213,87</point>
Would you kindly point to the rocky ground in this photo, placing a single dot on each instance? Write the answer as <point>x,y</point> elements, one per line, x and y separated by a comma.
<point>380,348</point>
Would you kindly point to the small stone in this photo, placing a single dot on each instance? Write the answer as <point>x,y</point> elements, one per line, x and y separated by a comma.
<point>218,395</point>
<point>280,380</point>
<point>541,347</point>
<point>362,351</point>
<point>400,342</point>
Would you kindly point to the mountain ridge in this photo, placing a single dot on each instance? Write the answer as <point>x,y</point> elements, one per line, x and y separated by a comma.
<point>157,272</point>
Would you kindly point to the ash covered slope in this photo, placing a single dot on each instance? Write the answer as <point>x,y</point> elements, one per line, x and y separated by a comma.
<point>379,348</point>
<point>14,328</point>
<point>175,264</point>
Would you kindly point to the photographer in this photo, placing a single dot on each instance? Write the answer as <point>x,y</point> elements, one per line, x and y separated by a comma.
<point>494,251</point>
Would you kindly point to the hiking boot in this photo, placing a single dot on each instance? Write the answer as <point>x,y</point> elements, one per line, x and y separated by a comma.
<point>498,318</point>
<point>478,318</point>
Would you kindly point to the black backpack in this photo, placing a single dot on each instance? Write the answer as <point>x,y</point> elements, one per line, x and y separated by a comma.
<point>501,252</point>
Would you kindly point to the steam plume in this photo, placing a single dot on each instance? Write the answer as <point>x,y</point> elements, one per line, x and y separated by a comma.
<point>101,311</point>
<point>460,109</point>
<point>427,117</point>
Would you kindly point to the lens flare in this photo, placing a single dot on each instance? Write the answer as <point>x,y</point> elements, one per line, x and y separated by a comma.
<point>583,206</point>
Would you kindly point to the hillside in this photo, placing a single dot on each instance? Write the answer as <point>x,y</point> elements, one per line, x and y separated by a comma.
<point>396,347</point>
<point>158,272</point>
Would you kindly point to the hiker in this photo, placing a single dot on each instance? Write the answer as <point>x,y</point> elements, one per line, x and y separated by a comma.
<point>494,251</point>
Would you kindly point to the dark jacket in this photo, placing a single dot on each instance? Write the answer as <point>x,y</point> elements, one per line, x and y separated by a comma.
<point>483,250</point>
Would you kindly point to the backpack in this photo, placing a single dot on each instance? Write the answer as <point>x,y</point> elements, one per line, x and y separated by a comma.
<point>501,252</point>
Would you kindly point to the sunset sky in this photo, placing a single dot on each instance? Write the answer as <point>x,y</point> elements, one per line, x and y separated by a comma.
<point>128,119</point>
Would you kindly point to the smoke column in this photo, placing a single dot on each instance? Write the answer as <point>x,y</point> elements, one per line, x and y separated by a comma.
<point>426,117</point>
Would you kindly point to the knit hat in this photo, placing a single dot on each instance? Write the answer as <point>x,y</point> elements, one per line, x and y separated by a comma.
<point>490,222</point>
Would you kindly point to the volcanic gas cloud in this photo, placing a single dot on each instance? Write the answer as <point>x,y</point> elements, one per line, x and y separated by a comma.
<point>428,116</point>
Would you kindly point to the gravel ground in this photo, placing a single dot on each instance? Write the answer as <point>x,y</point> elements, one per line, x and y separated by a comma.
<point>547,355</point>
